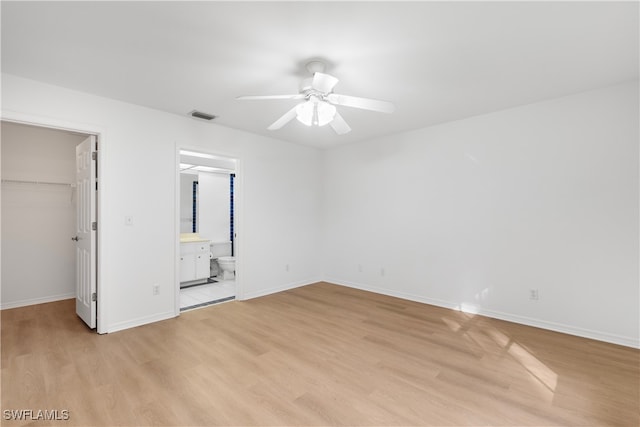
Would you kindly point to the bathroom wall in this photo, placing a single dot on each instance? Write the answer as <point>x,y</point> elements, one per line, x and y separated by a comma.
<point>476,213</point>
<point>38,221</point>
<point>214,206</point>
<point>278,205</point>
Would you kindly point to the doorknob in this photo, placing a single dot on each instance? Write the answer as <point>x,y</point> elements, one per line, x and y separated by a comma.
<point>75,238</point>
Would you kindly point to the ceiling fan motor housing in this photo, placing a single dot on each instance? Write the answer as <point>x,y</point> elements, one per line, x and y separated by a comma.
<point>306,85</point>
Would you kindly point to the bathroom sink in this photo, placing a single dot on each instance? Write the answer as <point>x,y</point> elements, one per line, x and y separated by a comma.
<point>191,238</point>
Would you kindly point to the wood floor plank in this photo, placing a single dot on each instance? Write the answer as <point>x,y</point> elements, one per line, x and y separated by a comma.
<point>316,355</point>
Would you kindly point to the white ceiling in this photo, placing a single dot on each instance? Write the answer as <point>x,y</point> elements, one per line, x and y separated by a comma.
<point>436,61</point>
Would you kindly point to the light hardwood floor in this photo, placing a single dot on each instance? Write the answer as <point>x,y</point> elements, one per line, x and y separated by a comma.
<point>316,355</point>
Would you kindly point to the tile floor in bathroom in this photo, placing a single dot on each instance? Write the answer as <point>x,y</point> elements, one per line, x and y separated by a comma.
<point>206,294</point>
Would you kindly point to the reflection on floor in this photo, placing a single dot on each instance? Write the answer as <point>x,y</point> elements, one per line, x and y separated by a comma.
<point>207,294</point>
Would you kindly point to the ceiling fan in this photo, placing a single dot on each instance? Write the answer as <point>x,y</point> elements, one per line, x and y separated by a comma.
<point>319,106</point>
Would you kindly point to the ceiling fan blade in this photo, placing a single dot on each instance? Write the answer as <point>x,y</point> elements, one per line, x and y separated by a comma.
<point>339,125</point>
<point>364,103</point>
<point>286,118</point>
<point>323,82</point>
<point>260,97</point>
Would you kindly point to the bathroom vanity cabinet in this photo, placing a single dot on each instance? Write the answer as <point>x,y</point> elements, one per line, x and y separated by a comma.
<point>194,261</point>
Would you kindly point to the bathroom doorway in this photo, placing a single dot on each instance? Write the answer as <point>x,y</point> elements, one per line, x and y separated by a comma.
<point>206,241</point>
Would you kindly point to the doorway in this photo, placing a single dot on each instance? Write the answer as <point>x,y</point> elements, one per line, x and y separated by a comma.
<point>40,218</point>
<point>206,239</point>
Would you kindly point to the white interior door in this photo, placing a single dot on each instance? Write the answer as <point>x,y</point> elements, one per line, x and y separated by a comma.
<point>86,231</point>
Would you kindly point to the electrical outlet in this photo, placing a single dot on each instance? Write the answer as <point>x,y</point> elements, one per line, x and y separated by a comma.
<point>382,272</point>
<point>534,295</point>
<point>156,289</point>
<point>359,268</point>
<point>286,267</point>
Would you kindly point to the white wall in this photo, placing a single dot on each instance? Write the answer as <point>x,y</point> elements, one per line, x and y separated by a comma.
<point>278,204</point>
<point>214,206</point>
<point>38,221</point>
<point>473,214</point>
<point>469,214</point>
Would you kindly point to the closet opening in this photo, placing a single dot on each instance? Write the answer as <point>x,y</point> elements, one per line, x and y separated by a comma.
<point>49,217</point>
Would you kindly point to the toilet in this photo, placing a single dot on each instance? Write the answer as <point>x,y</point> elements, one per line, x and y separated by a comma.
<point>221,253</point>
<point>228,266</point>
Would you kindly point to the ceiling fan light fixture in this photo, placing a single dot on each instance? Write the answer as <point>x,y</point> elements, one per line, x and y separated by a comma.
<point>305,113</point>
<point>315,112</point>
<point>325,113</point>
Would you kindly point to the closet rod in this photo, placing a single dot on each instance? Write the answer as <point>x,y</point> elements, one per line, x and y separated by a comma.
<point>17,181</point>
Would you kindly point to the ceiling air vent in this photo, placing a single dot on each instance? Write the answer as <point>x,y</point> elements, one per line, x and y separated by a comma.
<point>200,115</point>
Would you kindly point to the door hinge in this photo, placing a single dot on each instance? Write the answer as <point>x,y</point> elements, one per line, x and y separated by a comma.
<point>94,155</point>
<point>94,297</point>
<point>94,225</point>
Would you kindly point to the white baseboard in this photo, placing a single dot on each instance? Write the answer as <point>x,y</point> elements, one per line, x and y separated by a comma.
<point>523,320</point>
<point>33,301</point>
<point>140,321</point>
<point>281,288</point>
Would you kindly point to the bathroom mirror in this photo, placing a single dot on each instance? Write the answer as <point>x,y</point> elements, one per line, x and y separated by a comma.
<point>188,202</point>
<point>205,192</point>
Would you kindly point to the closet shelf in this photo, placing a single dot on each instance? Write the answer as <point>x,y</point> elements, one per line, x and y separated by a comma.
<point>18,181</point>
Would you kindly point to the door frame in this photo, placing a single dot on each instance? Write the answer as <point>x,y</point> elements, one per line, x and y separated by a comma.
<point>237,216</point>
<point>99,132</point>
